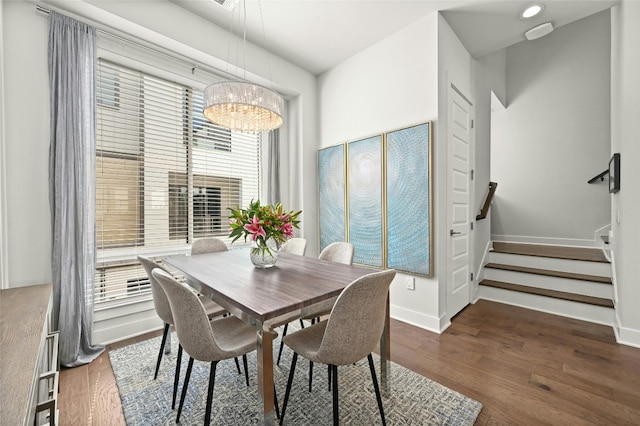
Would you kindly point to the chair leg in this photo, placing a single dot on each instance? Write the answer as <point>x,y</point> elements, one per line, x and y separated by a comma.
<point>329,375</point>
<point>310,374</point>
<point>184,388</point>
<point>237,365</point>
<point>301,323</point>
<point>212,381</point>
<point>284,333</point>
<point>246,369</point>
<point>275,401</point>
<point>376,388</point>
<point>289,382</point>
<point>336,416</point>
<point>177,377</point>
<point>164,341</point>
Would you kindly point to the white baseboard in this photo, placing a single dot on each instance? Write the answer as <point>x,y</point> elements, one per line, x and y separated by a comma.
<point>626,336</point>
<point>117,333</point>
<point>418,319</point>
<point>124,321</point>
<point>569,242</point>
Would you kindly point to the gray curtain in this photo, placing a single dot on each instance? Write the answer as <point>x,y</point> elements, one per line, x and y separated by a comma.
<point>273,167</point>
<point>72,64</point>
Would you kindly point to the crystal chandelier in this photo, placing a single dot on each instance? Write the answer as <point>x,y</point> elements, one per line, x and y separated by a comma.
<point>241,105</point>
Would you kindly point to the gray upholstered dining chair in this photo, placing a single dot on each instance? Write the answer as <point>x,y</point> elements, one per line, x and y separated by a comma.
<point>207,245</point>
<point>202,339</point>
<point>295,245</point>
<point>163,309</point>
<point>341,252</point>
<point>351,333</point>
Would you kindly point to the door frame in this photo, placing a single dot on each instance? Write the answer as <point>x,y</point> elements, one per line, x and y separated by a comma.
<point>448,315</point>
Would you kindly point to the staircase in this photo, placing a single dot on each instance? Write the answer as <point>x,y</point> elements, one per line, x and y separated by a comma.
<point>569,281</point>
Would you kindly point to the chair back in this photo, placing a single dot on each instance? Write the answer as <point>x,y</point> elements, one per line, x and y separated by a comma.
<point>189,318</point>
<point>295,246</point>
<point>356,322</point>
<point>160,301</point>
<point>207,245</point>
<point>341,252</point>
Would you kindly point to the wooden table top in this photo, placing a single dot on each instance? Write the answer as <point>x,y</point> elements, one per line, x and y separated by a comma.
<point>264,294</point>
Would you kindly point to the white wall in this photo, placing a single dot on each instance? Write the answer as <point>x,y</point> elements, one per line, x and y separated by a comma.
<point>489,77</point>
<point>4,276</point>
<point>28,240</point>
<point>455,66</point>
<point>388,86</point>
<point>554,136</point>
<point>625,137</point>
<point>403,80</point>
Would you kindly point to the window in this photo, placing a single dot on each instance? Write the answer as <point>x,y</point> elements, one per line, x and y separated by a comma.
<point>107,92</point>
<point>164,175</point>
<point>118,207</point>
<point>211,198</point>
<point>206,135</point>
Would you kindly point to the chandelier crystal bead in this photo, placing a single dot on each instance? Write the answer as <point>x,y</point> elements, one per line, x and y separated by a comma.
<point>243,106</point>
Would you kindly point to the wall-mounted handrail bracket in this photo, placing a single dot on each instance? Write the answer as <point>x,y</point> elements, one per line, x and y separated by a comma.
<point>600,176</point>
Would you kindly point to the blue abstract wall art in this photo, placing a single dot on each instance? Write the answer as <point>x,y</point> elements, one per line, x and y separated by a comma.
<point>409,218</point>
<point>377,194</point>
<point>364,177</point>
<point>331,177</point>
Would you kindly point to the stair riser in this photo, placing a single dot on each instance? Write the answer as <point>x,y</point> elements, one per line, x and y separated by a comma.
<point>586,288</point>
<point>581,311</point>
<point>576,266</point>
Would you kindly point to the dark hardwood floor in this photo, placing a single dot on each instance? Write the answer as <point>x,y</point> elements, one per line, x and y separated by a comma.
<point>525,367</point>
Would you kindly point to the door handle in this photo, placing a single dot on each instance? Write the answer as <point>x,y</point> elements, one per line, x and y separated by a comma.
<point>452,233</point>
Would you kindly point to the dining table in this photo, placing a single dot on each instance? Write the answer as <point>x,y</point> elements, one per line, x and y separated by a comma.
<point>267,298</point>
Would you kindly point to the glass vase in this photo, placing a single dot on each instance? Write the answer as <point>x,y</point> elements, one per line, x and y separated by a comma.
<point>264,254</point>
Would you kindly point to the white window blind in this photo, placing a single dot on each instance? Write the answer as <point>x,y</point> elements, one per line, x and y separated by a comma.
<point>164,175</point>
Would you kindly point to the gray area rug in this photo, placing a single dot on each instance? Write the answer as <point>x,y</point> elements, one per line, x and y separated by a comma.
<point>414,399</point>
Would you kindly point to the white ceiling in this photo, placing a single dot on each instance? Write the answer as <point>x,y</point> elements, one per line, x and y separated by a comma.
<point>319,34</point>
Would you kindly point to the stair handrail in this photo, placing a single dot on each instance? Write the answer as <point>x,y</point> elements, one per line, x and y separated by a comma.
<point>600,176</point>
<point>487,201</point>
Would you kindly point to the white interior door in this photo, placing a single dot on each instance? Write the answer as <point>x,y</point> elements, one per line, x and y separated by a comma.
<point>459,198</point>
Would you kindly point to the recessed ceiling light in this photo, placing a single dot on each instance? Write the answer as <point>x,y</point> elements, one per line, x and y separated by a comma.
<point>532,11</point>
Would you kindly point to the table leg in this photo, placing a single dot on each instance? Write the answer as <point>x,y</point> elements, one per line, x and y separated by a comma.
<point>385,353</point>
<point>265,373</point>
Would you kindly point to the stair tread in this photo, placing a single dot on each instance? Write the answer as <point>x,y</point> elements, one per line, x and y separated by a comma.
<point>551,273</point>
<point>558,252</point>
<point>598,301</point>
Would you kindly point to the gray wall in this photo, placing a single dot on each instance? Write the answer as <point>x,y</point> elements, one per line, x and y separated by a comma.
<point>553,136</point>
<point>625,137</point>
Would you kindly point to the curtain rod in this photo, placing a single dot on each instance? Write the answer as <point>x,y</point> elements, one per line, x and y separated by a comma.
<point>191,65</point>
